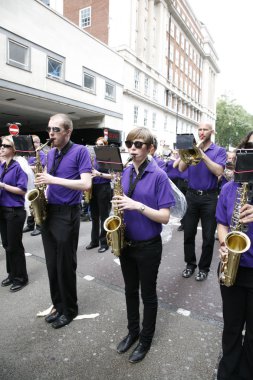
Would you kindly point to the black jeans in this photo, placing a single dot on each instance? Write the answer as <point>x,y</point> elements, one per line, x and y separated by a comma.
<point>237,360</point>
<point>139,267</point>
<point>100,205</point>
<point>12,221</point>
<point>60,234</point>
<point>200,207</point>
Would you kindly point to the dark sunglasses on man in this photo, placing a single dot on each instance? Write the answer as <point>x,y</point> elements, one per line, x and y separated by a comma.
<point>53,129</point>
<point>5,146</point>
<point>137,144</point>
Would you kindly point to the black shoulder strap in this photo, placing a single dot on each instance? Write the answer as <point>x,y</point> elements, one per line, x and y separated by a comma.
<point>133,184</point>
<point>58,159</point>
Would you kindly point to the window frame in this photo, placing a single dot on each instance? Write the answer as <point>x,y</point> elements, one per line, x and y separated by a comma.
<point>109,97</point>
<point>27,61</point>
<point>88,89</point>
<point>82,24</point>
<point>52,76</point>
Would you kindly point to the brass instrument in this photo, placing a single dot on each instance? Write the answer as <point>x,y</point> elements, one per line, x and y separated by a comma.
<point>236,241</point>
<point>114,225</point>
<point>191,156</point>
<point>37,195</point>
<point>88,193</point>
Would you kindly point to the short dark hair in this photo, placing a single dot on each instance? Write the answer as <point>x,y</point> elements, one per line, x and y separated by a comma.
<point>245,140</point>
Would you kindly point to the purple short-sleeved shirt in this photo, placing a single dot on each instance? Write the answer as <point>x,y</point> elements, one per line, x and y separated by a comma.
<point>15,176</point>
<point>43,159</point>
<point>75,162</point>
<point>98,180</point>
<point>224,212</point>
<point>152,190</point>
<point>160,162</point>
<point>172,173</point>
<point>200,177</point>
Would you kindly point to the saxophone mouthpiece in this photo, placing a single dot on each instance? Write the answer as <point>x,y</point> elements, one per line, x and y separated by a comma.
<point>49,141</point>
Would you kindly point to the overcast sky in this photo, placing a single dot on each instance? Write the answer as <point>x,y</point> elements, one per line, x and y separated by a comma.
<point>230,23</point>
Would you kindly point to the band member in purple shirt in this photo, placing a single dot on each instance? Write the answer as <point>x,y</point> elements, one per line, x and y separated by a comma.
<point>68,176</point>
<point>13,186</point>
<point>201,199</point>
<point>236,362</point>
<point>146,205</point>
<point>30,222</point>
<point>161,163</point>
<point>100,204</point>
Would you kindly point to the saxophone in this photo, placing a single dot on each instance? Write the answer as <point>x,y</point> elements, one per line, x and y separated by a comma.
<point>36,196</point>
<point>236,241</point>
<point>114,225</point>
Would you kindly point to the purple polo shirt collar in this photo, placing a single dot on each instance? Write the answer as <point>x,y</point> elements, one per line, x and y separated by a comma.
<point>200,177</point>
<point>153,190</point>
<point>224,212</point>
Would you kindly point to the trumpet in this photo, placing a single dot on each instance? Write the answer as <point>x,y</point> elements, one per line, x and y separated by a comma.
<point>191,156</point>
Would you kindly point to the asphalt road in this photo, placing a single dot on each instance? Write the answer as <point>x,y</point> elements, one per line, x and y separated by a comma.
<point>186,345</point>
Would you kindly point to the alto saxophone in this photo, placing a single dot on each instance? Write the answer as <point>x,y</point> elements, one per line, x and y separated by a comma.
<point>236,241</point>
<point>36,196</point>
<point>114,225</point>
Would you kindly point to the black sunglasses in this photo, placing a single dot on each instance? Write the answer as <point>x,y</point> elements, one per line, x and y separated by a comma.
<point>137,144</point>
<point>53,129</point>
<point>5,146</point>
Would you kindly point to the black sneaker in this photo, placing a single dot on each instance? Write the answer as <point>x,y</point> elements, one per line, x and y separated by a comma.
<point>188,272</point>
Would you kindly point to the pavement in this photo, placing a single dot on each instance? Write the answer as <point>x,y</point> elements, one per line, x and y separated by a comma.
<point>187,341</point>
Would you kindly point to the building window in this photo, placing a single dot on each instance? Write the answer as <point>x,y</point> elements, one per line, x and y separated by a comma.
<point>145,119</point>
<point>137,80</point>
<point>85,17</point>
<point>89,82</point>
<point>54,68</point>
<point>172,51</point>
<point>18,55</point>
<point>146,86</point>
<point>155,91</point>
<point>46,2</point>
<point>110,91</point>
<point>136,111</point>
<point>154,120</point>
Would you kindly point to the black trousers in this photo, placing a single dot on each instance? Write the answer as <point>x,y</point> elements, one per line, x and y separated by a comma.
<point>139,267</point>
<point>237,360</point>
<point>100,206</point>
<point>60,234</point>
<point>200,207</point>
<point>12,221</point>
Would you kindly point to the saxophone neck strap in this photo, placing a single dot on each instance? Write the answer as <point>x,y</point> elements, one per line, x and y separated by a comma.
<point>133,184</point>
<point>58,156</point>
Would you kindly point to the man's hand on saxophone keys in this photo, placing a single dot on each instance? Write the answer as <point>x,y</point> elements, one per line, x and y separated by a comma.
<point>246,214</point>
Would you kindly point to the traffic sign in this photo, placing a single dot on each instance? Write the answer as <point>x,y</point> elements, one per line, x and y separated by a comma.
<point>13,129</point>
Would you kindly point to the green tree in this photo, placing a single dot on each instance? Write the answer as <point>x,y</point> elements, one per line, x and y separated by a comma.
<point>232,122</point>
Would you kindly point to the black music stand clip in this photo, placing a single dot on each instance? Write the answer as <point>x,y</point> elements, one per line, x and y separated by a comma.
<point>108,158</point>
<point>24,145</point>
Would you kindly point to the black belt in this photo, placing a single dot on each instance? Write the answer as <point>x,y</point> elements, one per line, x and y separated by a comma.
<point>142,243</point>
<point>202,192</point>
<point>5,208</point>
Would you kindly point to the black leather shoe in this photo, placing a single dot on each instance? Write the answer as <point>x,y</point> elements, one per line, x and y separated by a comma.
<point>50,318</point>
<point>103,249</point>
<point>6,282</point>
<point>36,232</point>
<point>126,343</point>
<point>61,322</point>
<point>27,229</point>
<point>139,353</point>
<point>17,287</point>
<point>91,245</point>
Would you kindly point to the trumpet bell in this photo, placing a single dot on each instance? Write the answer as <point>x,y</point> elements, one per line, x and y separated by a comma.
<point>190,156</point>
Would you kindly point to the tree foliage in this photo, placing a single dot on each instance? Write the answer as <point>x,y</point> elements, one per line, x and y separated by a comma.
<point>232,122</point>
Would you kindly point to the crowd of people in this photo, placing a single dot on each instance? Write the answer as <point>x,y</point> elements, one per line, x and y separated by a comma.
<point>69,173</point>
